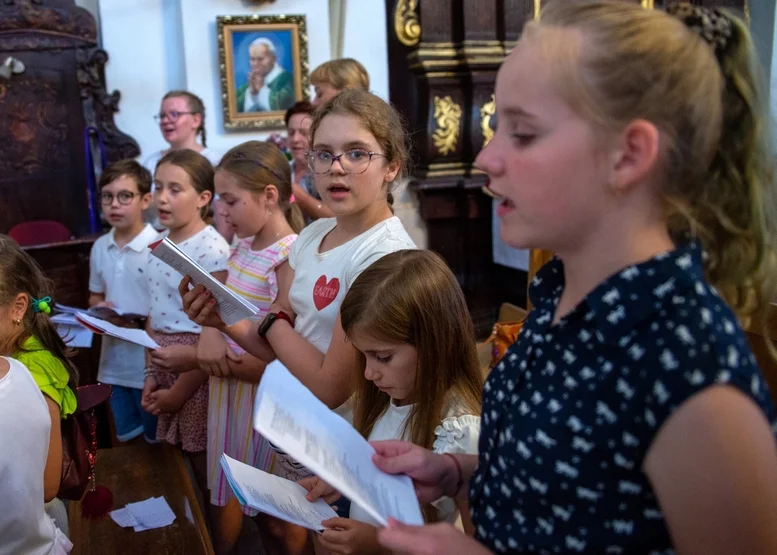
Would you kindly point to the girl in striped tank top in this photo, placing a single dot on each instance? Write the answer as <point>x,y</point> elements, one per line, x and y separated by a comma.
<point>253,182</point>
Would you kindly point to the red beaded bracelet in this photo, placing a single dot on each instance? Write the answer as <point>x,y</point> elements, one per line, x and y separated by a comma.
<point>460,480</point>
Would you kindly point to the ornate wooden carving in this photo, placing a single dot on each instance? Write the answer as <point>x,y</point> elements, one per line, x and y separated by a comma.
<point>42,25</point>
<point>100,106</point>
<point>45,110</point>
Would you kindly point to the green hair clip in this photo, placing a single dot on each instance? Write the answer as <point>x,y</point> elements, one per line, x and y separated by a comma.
<point>42,305</point>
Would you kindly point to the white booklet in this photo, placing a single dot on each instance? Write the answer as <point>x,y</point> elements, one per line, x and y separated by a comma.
<point>231,306</point>
<point>133,335</point>
<point>290,416</point>
<point>274,495</point>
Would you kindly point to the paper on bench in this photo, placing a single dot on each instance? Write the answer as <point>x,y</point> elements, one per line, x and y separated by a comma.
<point>151,513</point>
<point>274,495</point>
<point>123,517</point>
<point>231,307</point>
<point>290,416</point>
<point>139,337</point>
<point>144,515</point>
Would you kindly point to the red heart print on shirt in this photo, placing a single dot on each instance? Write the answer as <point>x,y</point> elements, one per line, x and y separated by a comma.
<point>325,292</point>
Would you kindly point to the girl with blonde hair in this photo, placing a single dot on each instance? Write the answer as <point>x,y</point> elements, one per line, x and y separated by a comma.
<point>630,415</point>
<point>334,76</point>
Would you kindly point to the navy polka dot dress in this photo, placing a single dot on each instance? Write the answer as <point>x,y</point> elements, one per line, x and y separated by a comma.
<point>570,412</point>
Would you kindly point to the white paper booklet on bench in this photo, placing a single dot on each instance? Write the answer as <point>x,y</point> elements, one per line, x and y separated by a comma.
<point>290,416</point>
<point>133,335</point>
<point>274,495</point>
<point>232,307</point>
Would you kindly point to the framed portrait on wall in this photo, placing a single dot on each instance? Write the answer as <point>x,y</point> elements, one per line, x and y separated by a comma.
<point>264,68</point>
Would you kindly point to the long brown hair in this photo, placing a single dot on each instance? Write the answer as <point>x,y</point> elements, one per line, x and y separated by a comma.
<point>21,274</point>
<point>256,164</point>
<point>412,297</point>
<point>197,167</point>
<point>379,118</point>
<point>709,104</point>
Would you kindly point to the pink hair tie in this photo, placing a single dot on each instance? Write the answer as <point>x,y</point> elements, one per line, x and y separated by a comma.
<point>291,199</point>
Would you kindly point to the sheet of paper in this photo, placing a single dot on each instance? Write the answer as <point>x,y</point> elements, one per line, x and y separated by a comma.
<point>65,318</point>
<point>76,336</point>
<point>151,513</point>
<point>67,309</point>
<point>289,415</point>
<point>231,306</point>
<point>123,517</point>
<point>139,337</point>
<point>274,495</point>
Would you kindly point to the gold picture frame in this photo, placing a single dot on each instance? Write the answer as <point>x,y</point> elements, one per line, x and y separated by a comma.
<point>252,49</point>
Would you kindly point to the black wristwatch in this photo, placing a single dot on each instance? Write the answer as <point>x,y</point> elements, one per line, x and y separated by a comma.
<point>269,320</point>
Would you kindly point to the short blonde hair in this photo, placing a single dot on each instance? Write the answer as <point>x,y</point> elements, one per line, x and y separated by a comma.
<point>630,63</point>
<point>345,73</point>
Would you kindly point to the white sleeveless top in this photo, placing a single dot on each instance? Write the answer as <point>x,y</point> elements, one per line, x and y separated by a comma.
<point>25,426</point>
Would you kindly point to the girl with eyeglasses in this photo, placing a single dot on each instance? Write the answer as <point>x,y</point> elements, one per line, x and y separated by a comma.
<point>181,119</point>
<point>358,152</point>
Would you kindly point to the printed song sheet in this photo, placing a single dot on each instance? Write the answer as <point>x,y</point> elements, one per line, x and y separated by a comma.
<point>232,307</point>
<point>274,495</point>
<point>289,415</point>
<point>139,337</point>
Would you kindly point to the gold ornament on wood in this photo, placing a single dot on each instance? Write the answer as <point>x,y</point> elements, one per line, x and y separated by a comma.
<point>648,4</point>
<point>406,25</point>
<point>448,117</point>
<point>487,111</point>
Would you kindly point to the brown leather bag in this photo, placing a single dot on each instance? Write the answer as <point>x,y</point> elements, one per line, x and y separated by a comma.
<point>79,442</point>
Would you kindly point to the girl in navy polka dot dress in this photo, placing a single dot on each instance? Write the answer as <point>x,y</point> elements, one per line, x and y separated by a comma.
<point>630,415</point>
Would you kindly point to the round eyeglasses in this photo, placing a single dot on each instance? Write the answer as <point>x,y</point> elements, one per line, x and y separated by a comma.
<point>353,161</point>
<point>124,197</point>
<point>172,116</point>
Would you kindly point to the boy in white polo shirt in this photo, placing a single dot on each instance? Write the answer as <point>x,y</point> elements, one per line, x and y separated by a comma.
<point>117,278</point>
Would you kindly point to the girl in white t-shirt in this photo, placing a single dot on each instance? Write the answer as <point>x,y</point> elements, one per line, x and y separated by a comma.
<point>24,434</point>
<point>422,381</point>
<point>175,389</point>
<point>359,151</point>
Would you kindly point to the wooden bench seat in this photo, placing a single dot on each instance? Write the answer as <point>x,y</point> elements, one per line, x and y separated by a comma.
<point>135,473</point>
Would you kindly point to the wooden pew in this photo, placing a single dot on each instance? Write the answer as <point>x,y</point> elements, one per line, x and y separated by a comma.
<point>135,473</point>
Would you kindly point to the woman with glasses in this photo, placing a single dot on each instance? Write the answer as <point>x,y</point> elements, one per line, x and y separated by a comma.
<point>298,120</point>
<point>181,119</point>
<point>358,151</point>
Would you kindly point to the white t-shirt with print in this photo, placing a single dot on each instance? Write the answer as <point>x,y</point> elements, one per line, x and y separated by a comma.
<point>457,434</point>
<point>321,280</point>
<point>120,275</point>
<point>24,434</point>
<point>208,249</point>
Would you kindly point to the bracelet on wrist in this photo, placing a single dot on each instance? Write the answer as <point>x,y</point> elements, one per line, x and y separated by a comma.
<point>459,474</point>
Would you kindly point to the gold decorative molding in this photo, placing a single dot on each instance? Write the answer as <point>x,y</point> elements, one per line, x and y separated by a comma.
<point>444,169</point>
<point>406,24</point>
<point>537,9</point>
<point>648,4</point>
<point>447,114</point>
<point>487,111</point>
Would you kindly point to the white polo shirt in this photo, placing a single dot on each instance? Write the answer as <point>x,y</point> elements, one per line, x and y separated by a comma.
<point>121,274</point>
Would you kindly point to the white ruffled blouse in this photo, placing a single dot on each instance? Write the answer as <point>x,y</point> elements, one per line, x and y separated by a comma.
<point>455,434</point>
